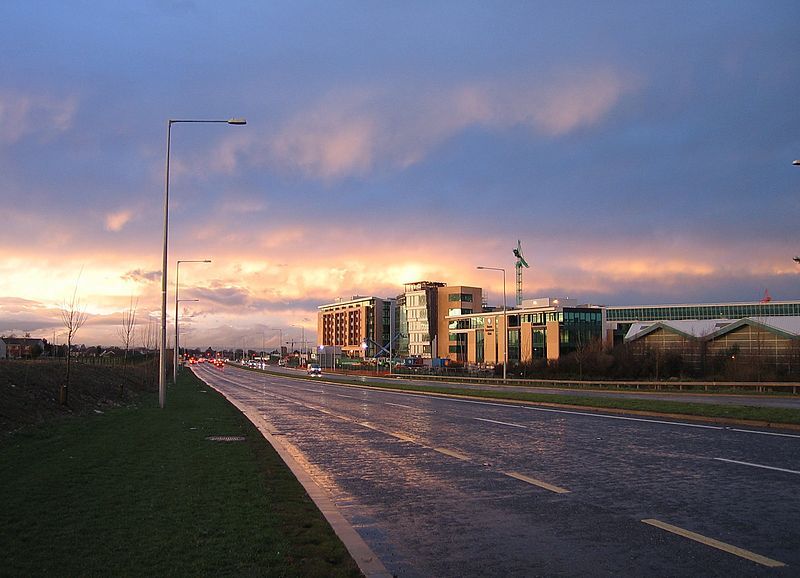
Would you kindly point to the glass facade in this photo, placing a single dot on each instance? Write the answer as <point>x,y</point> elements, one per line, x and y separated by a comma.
<point>539,343</point>
<point>708,311</point>
<point>513,346</point>
<point>578,328</point>
<point>463,297</point>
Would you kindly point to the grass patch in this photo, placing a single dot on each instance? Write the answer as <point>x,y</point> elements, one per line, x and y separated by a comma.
<point>138,491</point>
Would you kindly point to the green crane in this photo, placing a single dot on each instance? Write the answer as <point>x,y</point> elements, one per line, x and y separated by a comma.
<point>521,262</point>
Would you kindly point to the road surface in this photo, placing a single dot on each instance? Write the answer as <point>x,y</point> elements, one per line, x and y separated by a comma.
<point>446,487</point>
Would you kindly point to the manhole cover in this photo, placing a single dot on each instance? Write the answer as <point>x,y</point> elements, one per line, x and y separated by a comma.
<point>225,438</point>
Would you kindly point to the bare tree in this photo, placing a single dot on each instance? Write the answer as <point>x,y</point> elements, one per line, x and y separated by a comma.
<point>73,317</point>
<point>149,338</point>
<point>127,332</point>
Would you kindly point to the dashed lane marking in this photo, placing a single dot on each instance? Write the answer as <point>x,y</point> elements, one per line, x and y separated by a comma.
<point>403,437</point>
<point>762,466</point>
<point>401,405</point>
<point>452,454</point>
<point>535,482</point>
<point>725,547</point>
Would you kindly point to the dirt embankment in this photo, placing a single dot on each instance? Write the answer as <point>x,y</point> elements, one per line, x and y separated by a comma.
<point>29,390</point>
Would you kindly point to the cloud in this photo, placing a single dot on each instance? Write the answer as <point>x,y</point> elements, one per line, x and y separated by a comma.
<point>328,142</point>
<point>141,276</point>
<point>351,132</point>
<point>227,295</point>
<point>575,100</point>
<point>116,221</point>
<point>22,115</point>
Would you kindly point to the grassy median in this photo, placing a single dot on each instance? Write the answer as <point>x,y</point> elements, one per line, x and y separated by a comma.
<point>140,490</point>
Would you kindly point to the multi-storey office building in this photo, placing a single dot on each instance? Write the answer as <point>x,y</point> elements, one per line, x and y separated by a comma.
<point>542,328</point>
<point>421,313</point>
<point>454,301</point>
<point>356,326</point>
<point>400,329</point>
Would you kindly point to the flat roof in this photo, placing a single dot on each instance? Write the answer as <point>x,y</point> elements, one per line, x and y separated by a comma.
<point>722,304</point>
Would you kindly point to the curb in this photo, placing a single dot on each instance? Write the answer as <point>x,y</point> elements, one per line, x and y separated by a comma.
<point>369,564</point>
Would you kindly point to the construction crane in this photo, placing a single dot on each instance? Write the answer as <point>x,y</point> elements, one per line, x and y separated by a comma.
<point>521,262</point>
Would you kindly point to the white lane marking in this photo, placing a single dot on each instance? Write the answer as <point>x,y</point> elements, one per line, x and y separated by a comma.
<point>766,433</point>
<point>502,422</point>
<point>758,466</point>
<point>680,423</point>
<point>535,482</point>
<point>311,390</point>
<point>348,396</point>
<point>725,547</point>
<point>400,405</point>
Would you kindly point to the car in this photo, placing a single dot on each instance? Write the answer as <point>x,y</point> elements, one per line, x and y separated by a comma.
<point>314,370</point>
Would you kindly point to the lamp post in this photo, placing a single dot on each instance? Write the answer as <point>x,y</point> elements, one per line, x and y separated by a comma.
<point>162,352</point>
<point>505,319</point>
<point>177,276</point>
<point>797,164</point>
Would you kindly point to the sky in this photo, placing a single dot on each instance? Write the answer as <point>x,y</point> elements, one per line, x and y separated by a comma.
<point>640,151</point>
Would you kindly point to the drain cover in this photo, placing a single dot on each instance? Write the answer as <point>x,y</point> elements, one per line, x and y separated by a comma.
<point>225,438</point>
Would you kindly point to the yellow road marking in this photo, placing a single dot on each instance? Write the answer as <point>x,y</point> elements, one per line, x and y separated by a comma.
<point>451,453</point>
<point>535,482</point>
<point>403,437</point>
<point>735,550</point>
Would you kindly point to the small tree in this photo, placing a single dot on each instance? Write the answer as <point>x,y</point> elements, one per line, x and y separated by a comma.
<point>127,331</point>
<point>149,338</point>
<point>73,318</point>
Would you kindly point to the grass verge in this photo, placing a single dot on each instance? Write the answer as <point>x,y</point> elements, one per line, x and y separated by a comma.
<point>137,491</point>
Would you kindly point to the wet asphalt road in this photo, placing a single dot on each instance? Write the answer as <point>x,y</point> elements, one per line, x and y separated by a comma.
<point>442,487</point>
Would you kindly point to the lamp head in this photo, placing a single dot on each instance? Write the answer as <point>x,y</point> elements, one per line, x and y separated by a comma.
<point>237,121</point>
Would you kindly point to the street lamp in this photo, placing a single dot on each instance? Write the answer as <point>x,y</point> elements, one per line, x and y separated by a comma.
<point>505,319</point>
<point>177,276</point>
<point>162,352</point>
<point>796,163</point>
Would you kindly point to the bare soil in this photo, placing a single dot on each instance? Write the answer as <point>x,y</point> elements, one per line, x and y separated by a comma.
<point>29,390</point>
